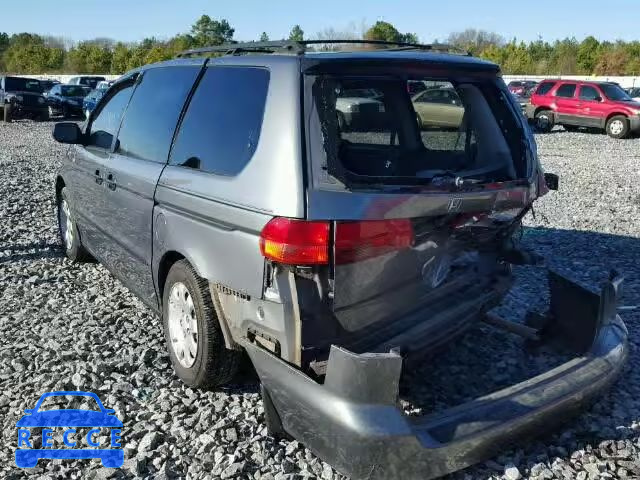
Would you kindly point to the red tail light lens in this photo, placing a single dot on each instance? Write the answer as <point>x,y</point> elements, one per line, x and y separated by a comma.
<point>357,241</point>
<point>295,242</point>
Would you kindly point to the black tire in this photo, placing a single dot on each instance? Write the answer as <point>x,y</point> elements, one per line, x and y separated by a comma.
<point>213,364</point>
<point>342,123</point>
<point>544,121</point>
<point>571,128</point>
<point>618,126</point>
<point>73,250</point>
<point>419,121</point>
<point>8,114</point>
<point>271,417</point>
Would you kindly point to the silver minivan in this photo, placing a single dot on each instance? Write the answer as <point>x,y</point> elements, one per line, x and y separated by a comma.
<point>230,195</point>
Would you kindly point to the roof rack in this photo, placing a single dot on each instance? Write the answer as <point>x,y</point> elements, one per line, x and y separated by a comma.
<point>300,47</point>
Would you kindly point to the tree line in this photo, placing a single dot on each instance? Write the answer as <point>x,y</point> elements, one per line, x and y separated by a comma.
<point>30,53</point>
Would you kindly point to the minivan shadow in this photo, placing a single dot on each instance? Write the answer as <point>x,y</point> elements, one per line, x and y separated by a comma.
<point>25,252</point>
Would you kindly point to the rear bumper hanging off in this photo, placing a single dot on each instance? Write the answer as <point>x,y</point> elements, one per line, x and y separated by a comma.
<point>352,421</point>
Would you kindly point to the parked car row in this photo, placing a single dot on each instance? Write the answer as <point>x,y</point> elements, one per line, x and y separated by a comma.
<point>22,97</point>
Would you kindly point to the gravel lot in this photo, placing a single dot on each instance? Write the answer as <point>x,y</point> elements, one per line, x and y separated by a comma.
<point>68,327</point>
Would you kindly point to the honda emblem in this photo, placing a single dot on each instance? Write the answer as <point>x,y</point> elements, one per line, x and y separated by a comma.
<point>455,205</point>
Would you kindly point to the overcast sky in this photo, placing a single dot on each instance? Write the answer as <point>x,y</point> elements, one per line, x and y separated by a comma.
<point>132,20</point>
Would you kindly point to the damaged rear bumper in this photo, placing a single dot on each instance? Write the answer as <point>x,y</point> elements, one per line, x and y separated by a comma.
<point>353,422</point>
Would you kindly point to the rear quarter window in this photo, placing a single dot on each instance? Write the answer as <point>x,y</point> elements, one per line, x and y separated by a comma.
<point>567,90</point>
<point>221,127</point>
<point>545,87</point>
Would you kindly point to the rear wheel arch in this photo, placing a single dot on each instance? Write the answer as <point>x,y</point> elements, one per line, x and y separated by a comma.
<point>167,261</point>
<point>165,264</point>
<point>542,109</point>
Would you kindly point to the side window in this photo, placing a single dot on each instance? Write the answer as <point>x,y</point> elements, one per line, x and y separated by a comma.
<point>589,93</point>
<point>221,127</point>
<point>544,88</point>
<point>567,90</point>
<point>152,115</point>
<point>105,125</point>
<point>56,89</point>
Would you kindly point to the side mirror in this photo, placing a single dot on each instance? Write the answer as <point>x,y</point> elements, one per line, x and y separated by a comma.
<point>67,132</point>
<point>552,181</point>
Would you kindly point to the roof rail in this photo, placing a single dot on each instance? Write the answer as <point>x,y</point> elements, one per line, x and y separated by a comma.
<point>300,47</point>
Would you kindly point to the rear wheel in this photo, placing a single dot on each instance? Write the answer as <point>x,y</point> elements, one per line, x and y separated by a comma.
<point>8,114</point>
<point>194,337</point>
<point>342,122</point>
<point>618,126</point>
<point>544,121</point>
<point>419,120</point>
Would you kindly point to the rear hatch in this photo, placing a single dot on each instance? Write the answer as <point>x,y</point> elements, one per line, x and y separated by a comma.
<point>422,196</point>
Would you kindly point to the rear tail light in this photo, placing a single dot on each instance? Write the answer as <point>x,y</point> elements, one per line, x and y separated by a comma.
<point>300,242</point>
<point>357,241</point>
<point>295,242</point>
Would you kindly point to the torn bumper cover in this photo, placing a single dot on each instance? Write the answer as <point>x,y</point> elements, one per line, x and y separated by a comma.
<point>353,422</point>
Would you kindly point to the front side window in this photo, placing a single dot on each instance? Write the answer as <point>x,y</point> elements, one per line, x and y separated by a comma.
<point>222,124</point>
<point>615,92</point>
<point>150,121</point>
<point>567,90</point>
<point>589,93</point>
<point>73,91</point>
<point>105,124</point>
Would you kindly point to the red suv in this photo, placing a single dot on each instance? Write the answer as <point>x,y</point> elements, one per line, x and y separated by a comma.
<point>575,104</point>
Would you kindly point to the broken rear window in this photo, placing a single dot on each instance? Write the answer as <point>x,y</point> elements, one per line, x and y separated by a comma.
<point>385,130</point>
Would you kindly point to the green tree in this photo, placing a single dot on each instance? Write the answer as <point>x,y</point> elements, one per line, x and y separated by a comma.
<point>564,57</point>
<point>120,59</point>
<point>383,31</point>
<point>588,52</point>
<point>207,32</point>
<point>475,41</point>
<point>264,37</point>
<point>296,34</point>
<point>410,38</point>
<point>88,57</point>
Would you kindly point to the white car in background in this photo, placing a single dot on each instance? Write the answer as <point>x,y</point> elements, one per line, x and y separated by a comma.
<point>359,108</point>
<point>634,93</point>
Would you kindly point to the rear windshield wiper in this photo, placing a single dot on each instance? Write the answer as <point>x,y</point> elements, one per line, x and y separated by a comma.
<point>450,179</point>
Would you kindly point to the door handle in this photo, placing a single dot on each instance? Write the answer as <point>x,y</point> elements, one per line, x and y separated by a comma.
<point>111,181</point>
<point>99,178</point>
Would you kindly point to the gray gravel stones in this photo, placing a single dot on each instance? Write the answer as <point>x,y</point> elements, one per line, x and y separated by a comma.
<point>74,326</point>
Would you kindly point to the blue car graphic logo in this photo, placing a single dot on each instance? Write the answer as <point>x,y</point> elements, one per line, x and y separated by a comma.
<point>69,420</point>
